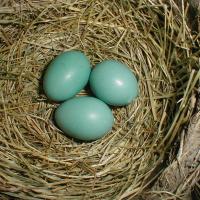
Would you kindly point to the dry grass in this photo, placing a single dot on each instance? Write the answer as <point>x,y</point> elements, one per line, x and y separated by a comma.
<point>36,160</point>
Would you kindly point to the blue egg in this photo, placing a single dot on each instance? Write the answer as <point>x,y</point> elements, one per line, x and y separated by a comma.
<point>66,75</point>
<point>84,118</point>
<point>114,83</point>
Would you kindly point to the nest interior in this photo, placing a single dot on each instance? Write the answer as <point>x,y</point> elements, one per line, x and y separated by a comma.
<point>36,160</point>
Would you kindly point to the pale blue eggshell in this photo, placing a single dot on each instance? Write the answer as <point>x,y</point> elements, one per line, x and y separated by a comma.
<point>84,118</point>
<point>114,83</point>
<point>66,75</point>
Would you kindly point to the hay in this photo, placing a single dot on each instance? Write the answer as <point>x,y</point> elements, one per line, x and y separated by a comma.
<point>36,160</point>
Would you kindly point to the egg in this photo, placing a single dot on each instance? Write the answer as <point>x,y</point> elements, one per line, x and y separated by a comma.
<point>114,83</point>
<point>84,118</point>
<point>66,75</point>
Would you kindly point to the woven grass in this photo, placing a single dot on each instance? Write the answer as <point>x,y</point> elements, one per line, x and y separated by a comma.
<point>36,160</point>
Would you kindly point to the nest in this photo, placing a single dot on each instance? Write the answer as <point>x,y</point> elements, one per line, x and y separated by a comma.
<point>36,160</point>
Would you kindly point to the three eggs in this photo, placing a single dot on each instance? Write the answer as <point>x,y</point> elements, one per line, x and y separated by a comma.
<point>87,118</point>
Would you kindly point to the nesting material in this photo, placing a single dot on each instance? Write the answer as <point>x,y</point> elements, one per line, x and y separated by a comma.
<point>36,160</point>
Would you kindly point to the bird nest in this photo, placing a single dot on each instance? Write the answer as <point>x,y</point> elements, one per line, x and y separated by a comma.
<point>36,160</point>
